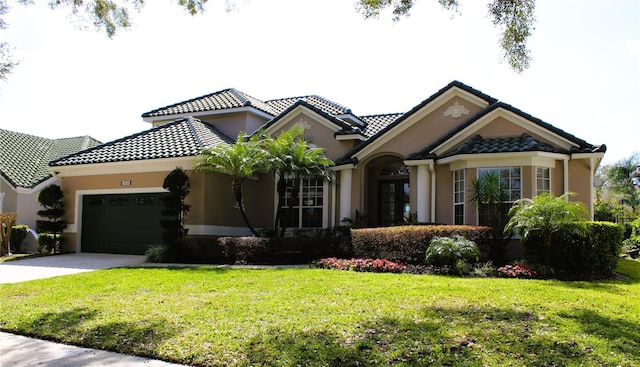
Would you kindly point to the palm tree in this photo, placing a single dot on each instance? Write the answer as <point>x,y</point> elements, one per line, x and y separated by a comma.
<point>241,160</point>
<point>491,201</point>
<point>291,157</point>
<point>545,213</point>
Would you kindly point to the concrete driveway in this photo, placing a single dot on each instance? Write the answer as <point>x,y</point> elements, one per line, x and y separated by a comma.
<point>56,265</point>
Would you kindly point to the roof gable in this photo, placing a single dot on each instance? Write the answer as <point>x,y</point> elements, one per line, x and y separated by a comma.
<point>303,106</point>
<point>400,123</point>
<point>562,140</point>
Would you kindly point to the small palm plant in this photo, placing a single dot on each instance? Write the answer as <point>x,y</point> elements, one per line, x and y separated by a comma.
<point>447,251</point>
<point>545,213</point>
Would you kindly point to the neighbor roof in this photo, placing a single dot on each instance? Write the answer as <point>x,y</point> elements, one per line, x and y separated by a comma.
<point>180,138</point>
<point>24,158</point>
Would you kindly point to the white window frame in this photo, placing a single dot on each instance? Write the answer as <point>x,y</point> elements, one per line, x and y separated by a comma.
<point>301,205</point>
<point>459,193</point>
<point>483,170</point>
<point>542,177</point>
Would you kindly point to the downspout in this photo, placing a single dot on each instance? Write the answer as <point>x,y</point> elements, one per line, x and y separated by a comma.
<point>333,203</point>
<point>433,191</point>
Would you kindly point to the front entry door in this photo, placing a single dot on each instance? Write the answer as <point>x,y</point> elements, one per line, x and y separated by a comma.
<point>393,202</point>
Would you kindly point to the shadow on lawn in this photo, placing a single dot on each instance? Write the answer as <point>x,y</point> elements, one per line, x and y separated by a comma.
<point>624,334</point>
<point>74,326</point>
<point>445,336</point>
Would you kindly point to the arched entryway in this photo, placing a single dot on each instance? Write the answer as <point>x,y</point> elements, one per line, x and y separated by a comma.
<point>388,191</point>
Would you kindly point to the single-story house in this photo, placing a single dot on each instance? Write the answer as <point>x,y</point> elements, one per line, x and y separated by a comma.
<point>418,163</point>
<point>24,163</point>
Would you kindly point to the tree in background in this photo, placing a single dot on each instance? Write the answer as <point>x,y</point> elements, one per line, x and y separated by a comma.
<point>514,18</point>
<point>618,196</point>
<point>175,210</point>
<point>52,199</point>
<point>240,160</point>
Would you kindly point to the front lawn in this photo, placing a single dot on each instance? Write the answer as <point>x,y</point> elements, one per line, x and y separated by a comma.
<point>315,317</point>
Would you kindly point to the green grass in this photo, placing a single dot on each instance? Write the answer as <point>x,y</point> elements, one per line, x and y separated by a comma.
<point>313,317</point>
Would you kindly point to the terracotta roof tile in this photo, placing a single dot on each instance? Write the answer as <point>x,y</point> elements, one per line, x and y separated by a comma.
<point>180,138</point>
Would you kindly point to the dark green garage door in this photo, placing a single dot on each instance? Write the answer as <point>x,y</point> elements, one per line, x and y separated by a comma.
<point>121,224</point>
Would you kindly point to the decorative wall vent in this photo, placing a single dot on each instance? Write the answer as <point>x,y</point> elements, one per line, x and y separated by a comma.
<point>303,124</point>
<point>456,111</point>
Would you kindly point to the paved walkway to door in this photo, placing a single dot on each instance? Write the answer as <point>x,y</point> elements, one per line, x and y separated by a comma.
<point>56,265</point>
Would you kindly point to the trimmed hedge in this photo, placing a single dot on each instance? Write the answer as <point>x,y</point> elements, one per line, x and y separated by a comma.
<point>580,248</point>
<point>286,250</point>
<point>408,244</point>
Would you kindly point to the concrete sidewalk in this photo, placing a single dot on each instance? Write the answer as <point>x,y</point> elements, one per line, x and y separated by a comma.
<point>16,350</point>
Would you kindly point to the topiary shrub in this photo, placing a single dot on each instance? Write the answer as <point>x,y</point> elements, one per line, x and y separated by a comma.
<point>174,212</point>
<point>52,199</point>
<point>46,243</point>
<point>449,251</point>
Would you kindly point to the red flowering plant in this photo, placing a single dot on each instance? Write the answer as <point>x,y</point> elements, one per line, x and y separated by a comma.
<point>516,271</point>
<point>364,265</point>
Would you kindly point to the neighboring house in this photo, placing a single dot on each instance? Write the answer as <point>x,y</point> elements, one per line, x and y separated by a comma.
<point>24,160</point>
<point>388,166</point>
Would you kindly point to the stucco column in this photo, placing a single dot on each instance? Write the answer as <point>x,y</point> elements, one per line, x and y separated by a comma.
<point>345,193</point>
<point>423,193</point>
<point>432,169</point>
<point>566,178</point>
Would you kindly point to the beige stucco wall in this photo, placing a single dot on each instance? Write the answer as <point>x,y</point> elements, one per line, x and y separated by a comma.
<point>213,203</point>
<point>9,199</point>
<point>425,131</point>
<point>444,194</point>
<point>580,180</point>
<point>28,207</point>
<point>231,124</point>
<point>318,134</point>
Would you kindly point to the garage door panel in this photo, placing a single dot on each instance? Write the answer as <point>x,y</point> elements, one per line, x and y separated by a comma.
<point>121,223</point>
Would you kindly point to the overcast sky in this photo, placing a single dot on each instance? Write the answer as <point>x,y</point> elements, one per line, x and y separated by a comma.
<point>584,78</point>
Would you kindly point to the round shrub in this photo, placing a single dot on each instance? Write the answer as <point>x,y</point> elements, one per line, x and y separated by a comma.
<point>446,251</point>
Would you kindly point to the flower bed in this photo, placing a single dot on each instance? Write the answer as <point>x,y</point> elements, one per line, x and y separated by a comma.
<point>516,271</point>
<point>368,265</point>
